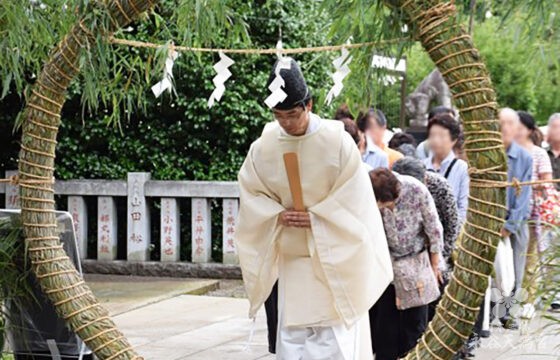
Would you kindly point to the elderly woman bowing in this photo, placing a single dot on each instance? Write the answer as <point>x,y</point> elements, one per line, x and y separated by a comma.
<point>414,235</point>
<point>442,193</point>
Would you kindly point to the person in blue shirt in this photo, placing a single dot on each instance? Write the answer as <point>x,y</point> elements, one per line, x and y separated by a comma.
<point>373,155</point>
<point>443,133</point>
<point>520,167</point>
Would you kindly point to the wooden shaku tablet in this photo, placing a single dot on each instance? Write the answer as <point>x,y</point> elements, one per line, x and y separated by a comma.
<point>294,180</point>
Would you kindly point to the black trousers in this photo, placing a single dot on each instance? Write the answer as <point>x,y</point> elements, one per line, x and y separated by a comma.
<point>271,307</point>
<point>395,332</point>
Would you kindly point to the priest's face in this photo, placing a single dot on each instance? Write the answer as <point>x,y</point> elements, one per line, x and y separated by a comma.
<point>294,121</point>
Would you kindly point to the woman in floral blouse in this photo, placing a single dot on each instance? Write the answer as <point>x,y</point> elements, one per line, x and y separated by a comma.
<point>412,227</point>
<point>442,193</point>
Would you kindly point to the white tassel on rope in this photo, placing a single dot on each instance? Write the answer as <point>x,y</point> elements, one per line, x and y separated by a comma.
<point>167,82</point>
<point>277,93</point>
<point>342,70</point>
<point>247,346</point>
<point>222,75</point>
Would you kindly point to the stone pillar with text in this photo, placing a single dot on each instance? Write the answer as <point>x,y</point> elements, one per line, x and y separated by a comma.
<point>230,209</point>
<point>138,218</point>
<point>78,209</point>
<point>201,230</point>
<point>170,230</point>
<point>12,192</point>
<point>106,228</point>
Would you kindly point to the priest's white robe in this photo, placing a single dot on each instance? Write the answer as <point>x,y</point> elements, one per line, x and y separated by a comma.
<point>332,273</point>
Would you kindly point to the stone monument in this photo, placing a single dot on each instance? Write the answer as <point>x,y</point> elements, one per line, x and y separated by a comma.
<point>432,89</point>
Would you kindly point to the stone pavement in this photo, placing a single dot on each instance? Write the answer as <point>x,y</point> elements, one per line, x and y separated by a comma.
<point>213,327</point>
<point>195,327</point>
<point>536,340</point>
<point>125,293</point>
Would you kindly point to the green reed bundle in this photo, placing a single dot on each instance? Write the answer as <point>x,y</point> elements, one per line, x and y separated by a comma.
<point>56,274</point>
<point>14,267</point>
<point>435,25</point>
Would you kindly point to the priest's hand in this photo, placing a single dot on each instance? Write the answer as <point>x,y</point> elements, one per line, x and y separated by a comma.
<point>292,218</point>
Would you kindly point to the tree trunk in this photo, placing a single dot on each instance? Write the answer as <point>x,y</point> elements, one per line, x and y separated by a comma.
<point>56,274</point>
<point>435,25</point>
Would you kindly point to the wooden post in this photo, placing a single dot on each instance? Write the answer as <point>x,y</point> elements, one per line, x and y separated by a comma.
<point>106,228</point>
<point>230,209</point>
<point>138,218</point>
<point>201,231</point>
<point>170,230</point>
<point>78,209</point>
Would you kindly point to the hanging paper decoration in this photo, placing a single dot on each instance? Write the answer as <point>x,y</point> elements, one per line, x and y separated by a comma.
<point>388,63</point>
<point>342,70</point>
<point>167,82</point>
<point>222,75</point>
<point>277,93</point>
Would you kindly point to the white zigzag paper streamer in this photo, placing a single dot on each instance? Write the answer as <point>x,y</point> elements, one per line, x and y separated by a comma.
<point>167,82</point>
<point>342,70</point>
<point>222,75</point>
<point>277,93</point>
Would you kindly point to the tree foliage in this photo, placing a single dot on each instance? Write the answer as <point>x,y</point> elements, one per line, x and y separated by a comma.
<point>112,123</point>
<point>525,72</point>
<point>178,137</point>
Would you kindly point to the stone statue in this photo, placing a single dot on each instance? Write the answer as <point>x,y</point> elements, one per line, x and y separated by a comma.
<point>417,104</point>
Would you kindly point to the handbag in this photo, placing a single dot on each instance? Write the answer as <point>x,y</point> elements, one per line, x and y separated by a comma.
<point>414,281</point>
<point>504,267</point>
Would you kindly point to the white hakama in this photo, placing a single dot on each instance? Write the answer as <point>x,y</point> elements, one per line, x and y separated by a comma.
<point>335,342</point>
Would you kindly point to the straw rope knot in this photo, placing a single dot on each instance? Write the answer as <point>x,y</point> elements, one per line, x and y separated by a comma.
<point>14,179</point>
<point>440,10</point>
<point>476,171</point>
<point>516,184</point>
<point>437,14</point>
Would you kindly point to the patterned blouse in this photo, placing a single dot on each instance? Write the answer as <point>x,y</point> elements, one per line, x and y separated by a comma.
<point>446,206</point>
<point>414,223</point>
<point>442,193</point>
<point>541,162</point>
<point>541,165</point>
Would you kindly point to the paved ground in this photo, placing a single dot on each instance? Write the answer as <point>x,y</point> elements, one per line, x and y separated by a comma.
<point>125,293</point>
<point>534,341</point>
<point>170,327</point>
<point>164,324</point>
<point>195,327</point>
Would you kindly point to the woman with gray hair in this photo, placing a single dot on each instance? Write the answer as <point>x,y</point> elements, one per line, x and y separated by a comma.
<point>442,193</point>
